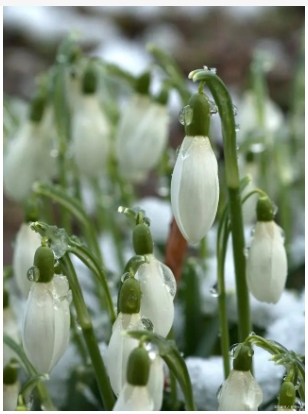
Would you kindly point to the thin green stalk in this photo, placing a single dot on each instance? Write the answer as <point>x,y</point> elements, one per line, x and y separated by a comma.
<point>57,194</point>
<point>85,322</point>
<point>223,101</point>
<point>78,341</point>
<point>42,390</point>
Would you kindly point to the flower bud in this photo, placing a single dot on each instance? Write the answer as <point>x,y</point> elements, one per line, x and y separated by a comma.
<point>142,239</point>
<point>158,289</point>
<point>10,388</point>
<point>266,266</point>
<point>90,137</point>
<point>287,396</point>
<point>142,137</point>
<point>46,327</point>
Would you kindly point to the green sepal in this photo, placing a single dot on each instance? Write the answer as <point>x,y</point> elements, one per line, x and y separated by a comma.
<point>162,97</point>
<point>130,296</point>
<point>6,298</point>
<point>265,209</point>
<point>9,374</point>
<point>287,395</point>
<point>142,239</point>
<point>200,123</point>
<point>44,260</point>
<point>89,80</point>
<point>243,358</point>
<point>37,108</point>
<point>143,83</point>
<point>138,367</point>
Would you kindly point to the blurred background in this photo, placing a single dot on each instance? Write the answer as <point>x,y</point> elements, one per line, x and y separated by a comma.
<point>220,37</point>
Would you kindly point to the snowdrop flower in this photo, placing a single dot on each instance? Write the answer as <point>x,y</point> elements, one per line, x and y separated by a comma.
<point>240,391</point>
<point>26,243</point>
<point>120,346</point>
<point>10,328</point>
<point>157,283</point>
<point>135,395</point>
<point>27,158</point>
<point>142,134</point>
<point>194,184</point>
<point>90,129</point>
<point>46,327</point>
<point>11,388</point>
<point>266,267</point>
<point>287,397</point>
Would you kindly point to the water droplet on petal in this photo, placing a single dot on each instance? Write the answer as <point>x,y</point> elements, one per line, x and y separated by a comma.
<point>213,108</point>
<point>152,350</point>
<point>147,323</point>
<point>33,274</point>
<point>169,279</point>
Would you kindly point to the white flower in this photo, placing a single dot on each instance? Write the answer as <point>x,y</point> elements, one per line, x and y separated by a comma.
<point>26,243</point>
<point>10,328</point>
<point>134,398</point>
<point>90,136</point>
<point>46,327</point>
<point>156,382</point>
<point>10,396</point>
<point>26,160</point>
<point>195,188</point>
<point>240,392</point>
<point>267,267</point>
<point>120,347</point>
<point>158,288</point>
<point>142,137</point>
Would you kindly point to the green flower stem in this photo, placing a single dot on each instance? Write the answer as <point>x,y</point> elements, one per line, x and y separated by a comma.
<point>62,116</point>
<point>223,233</point>
<point>224,103</point>
<point>42,390</point>
<point>85,322</point>
<point>85,256</point>
<point>78,341</point>
<point>74,207</point>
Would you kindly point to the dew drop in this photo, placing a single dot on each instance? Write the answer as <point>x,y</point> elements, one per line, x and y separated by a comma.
<point>124,277</point>
<point>122,209</point>
<point>214,292</point>
<point>252,333</point>
<point>237,127</point>
<point>213,70</point>
<point>205,68</point>
<point>168,279</point>
<point>246,251</point>
<point>152,350</point>
<point>213,108</point>
<point>147,323</point>
<point>235,110</point>
<point>186,115</point>
<point>33,274</point>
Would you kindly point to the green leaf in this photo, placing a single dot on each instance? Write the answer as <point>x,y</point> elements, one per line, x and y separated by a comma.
<point>170,354</point>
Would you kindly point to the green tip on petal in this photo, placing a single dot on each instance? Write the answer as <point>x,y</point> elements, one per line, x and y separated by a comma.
<point>287,395</point>
<point>138,367</point>
<point>130,296</point>
<point>242,358</point>
<point>9,374</point>
<point>200,123</point>
<point>44,260</point>
<point>265,209</point>
<point>89,80</point>
<point>143,83</point>
<point>142,239</point>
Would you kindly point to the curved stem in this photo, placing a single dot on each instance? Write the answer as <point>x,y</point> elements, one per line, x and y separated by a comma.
<point>42,390</point>
<point>85,256</point>
<point>255,191</point>
<point>85,322</point>
<point>57,194</point>
<point>223,100</point>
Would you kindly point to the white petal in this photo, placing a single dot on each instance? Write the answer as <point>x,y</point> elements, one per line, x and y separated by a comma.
<point>120,347</point>
<point>27,160</point>
<point>267,263</point>
<point>195,188</point>
<point>46,326</point>
<point>157,296</point>
<point>133,398</point>
<point>91,137</point>
<point>142,137</point>
<point>10,328</point>
<point>26,243</point>
<point>156,382</point>
<point>240,392</point>
<point>10,396</point>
